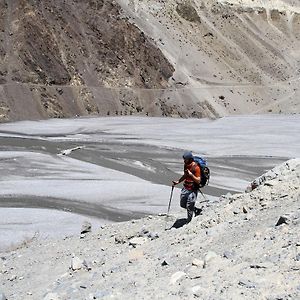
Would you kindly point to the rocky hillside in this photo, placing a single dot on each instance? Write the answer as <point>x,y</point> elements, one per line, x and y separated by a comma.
<point>244,246</point>
<point>189,58</point>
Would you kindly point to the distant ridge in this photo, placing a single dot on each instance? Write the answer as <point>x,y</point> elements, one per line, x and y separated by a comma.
<point>191,59</point>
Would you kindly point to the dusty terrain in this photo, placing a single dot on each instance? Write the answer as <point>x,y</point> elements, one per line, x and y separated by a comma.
<point>154,58</point>
<point>210,258</point>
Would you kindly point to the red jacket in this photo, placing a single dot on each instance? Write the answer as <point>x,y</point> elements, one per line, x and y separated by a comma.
<point>189,183</point>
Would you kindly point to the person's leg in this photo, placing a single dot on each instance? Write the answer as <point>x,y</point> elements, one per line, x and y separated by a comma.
<point>191,205</point>
<point>197,210</point>
<point>183,198</point>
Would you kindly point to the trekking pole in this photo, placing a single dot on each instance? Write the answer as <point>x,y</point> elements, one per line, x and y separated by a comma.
<point>205,199</point>
<point>169,208</point>
<point>170,199</point>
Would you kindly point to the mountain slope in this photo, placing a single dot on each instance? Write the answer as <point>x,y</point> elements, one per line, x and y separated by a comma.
<point>187,59</point>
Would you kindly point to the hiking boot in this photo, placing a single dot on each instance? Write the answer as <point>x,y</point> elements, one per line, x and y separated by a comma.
<point>197,211</point>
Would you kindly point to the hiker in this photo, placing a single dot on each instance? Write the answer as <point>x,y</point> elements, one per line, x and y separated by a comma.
<point>189,192</point>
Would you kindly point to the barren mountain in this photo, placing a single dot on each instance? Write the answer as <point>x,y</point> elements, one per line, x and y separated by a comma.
<point>158,58</point>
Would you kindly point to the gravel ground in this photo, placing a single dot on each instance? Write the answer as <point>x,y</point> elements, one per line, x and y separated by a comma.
<point>243,246</point>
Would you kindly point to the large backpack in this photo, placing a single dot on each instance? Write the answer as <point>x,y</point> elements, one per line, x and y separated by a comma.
<point>205,172</point>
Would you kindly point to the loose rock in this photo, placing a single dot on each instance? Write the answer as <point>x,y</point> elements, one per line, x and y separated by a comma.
<point>209,257</point>
<point>2,296</point>
<point>78,263</point>
<point>198,263</point>
<point>177,276</point>
<point>52,296</point>
<point>86,227</point>
<point>282,220</point>
<point>137,241</point>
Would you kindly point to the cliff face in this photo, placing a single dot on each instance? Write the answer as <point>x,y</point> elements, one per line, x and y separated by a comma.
<point>160,58</point>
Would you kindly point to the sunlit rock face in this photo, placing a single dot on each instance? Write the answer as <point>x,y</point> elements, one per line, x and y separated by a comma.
<point>155,58</point>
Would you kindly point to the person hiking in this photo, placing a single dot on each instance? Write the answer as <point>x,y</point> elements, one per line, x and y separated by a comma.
<point>189,192</point>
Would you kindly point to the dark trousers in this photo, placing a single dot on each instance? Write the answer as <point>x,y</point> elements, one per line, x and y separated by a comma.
<point>187,201</point>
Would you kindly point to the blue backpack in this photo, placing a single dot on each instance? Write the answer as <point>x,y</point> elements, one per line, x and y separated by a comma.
<point>205,172</point>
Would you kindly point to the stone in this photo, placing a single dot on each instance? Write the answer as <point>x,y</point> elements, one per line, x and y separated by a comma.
<point>13,277</point>
<point>86,227</point>
<point>177,276</point>
<point>195,272</point>
<point>153,235</point>
<point>100,294</point>
<point>197,291</point>
<point>2,267</point>
<point>136,254</point>
<point>209,257</point>
<point>245,209</point>
<point>119,240</point>
<point>229,254</point>
<point>247,283</point>
<point>282,220</point>
<point>2,296</point>
<point>78,263</point>
<point>137,241</point>
<point>198,263</point>
<point>52,296</point>
<point>164,263</point>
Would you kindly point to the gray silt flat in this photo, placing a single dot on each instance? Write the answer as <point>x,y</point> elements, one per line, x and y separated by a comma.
<point>165,161</point>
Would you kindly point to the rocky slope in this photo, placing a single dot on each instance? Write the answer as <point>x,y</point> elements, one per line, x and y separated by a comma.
<point>244,246</point>
<point>188,58</point>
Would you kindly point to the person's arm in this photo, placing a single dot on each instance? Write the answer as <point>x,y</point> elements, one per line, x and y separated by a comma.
<point>180,179</point>
<point>196,177</point>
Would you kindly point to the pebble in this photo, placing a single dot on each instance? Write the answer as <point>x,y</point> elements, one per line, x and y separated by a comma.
<point>282,220</point>
<point>78,263</point>
<point>164,263</point>
<point>195,272</point>
<point>137,241</point>
<point>86,227</point>
<point>13,277</point>
<point>198,263</point>
<point>209,257</point>
<point>229,254</point>
<point>245,209</point>
<point>119,240</point>
<point>197,291</point>
<point>177,276</point>
<point>2,296</point>
<point>247,283</point>
<point>52,296</point>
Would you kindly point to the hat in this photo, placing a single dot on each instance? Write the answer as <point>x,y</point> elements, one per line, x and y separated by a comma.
<point>188,155</point>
